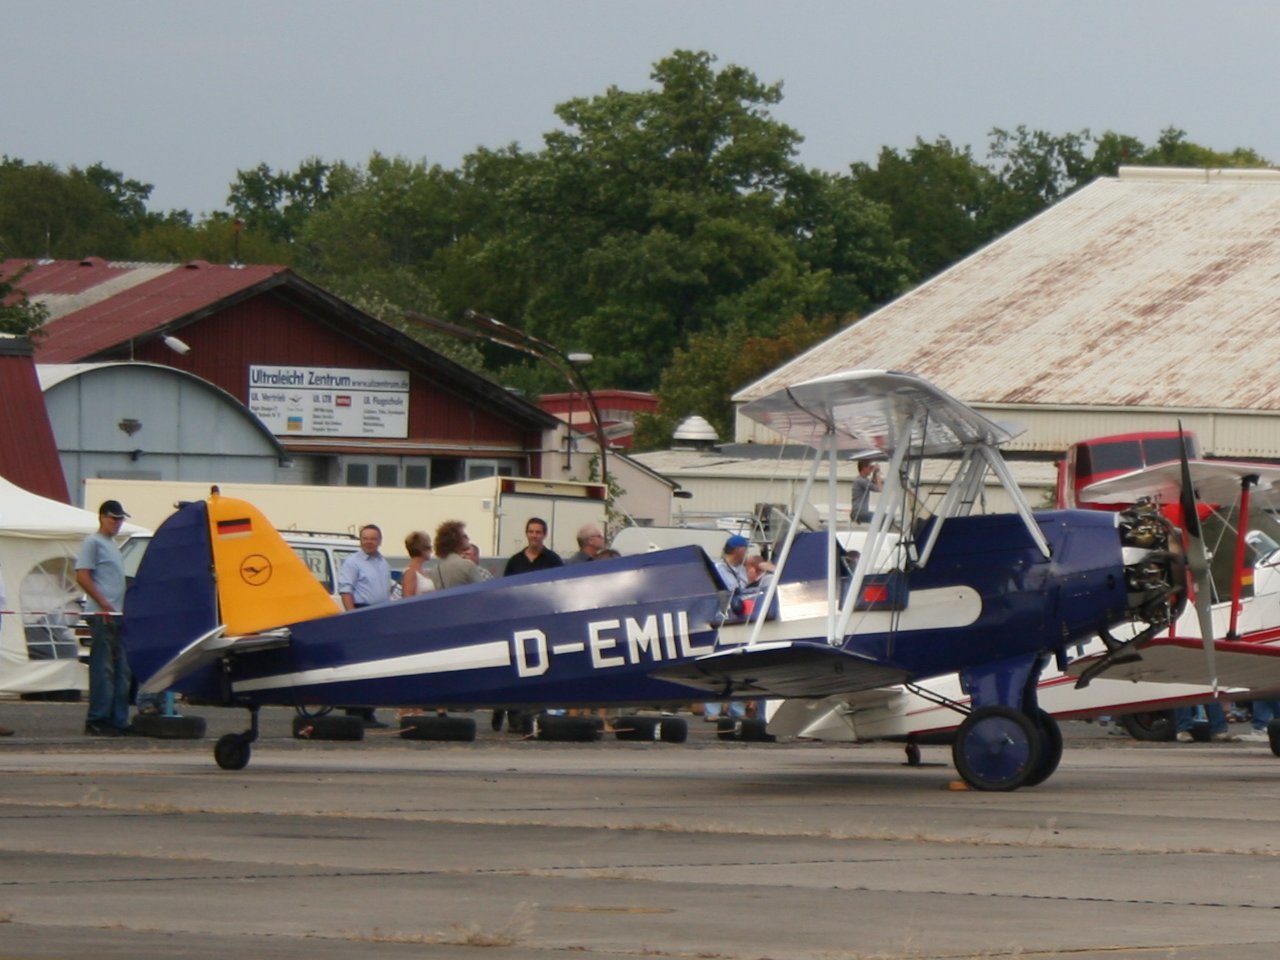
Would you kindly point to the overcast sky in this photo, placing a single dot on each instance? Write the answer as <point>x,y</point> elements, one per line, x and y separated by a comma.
<point>182,94</point>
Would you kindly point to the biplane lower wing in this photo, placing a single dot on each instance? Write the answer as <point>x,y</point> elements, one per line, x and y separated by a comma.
<point>784,670</point>
<point>1248,665</point>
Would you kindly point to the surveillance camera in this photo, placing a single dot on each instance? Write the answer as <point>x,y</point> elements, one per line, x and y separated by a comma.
<point>176,345</point>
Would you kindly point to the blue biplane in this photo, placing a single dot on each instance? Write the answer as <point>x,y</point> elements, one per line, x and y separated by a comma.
<point>222,611</point>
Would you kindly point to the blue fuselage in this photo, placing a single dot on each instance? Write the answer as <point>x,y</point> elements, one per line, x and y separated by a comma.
<point>596,633</point>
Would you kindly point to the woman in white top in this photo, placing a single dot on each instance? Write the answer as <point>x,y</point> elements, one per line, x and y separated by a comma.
<point>415,579</point>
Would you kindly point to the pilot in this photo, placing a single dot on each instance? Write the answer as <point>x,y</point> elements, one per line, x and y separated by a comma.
<point>732,565</point>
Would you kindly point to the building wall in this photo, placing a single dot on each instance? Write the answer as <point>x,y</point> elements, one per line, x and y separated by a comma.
<point>149,423</point>
<point>268,330</point>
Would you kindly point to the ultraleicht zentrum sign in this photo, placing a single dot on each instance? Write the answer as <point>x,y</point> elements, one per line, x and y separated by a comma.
<point>330,401</point>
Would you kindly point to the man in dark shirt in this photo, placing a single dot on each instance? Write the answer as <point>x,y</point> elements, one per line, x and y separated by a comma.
<point>536,555</point>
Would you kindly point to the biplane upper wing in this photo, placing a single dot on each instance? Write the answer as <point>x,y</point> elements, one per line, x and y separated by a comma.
<point>1215,481</point>
<point>875,409</point>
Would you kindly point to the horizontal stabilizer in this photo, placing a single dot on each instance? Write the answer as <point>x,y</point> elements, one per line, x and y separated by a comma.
<point>783,670</point>
<point>1252,666</point>
<point>212,646</point>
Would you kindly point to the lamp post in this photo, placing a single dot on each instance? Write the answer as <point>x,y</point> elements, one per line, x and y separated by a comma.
<point>576,360</point>
<point>495,331</point>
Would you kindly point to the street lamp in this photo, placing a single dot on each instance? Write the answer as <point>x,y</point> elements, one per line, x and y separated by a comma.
<point>576,360</point>
<point>505,335</point>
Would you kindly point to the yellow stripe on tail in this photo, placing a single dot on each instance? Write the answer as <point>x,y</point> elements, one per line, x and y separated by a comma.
<point>262,583</point>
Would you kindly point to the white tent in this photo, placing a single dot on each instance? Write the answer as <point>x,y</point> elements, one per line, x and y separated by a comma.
<point>39,540</point>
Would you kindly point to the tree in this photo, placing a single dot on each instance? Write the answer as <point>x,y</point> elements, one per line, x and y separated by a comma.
<point>703,377</point>
<point>19,315</point>
<point>278,203</point>
<point>655,215</point>
<point>938,197</point>
<point>45,212</point>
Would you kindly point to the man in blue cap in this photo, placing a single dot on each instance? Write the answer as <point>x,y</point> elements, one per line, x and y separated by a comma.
<point>732,565</point>
<point>732,568</point>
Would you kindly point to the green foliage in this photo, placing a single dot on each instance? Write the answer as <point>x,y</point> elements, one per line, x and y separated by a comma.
<point>19,315</point>
<point>716,364</point>
<point>939,201</point>
<point>669,231</point>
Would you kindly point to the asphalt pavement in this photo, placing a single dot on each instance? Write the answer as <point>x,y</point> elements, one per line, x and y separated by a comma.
<point>142,848</point>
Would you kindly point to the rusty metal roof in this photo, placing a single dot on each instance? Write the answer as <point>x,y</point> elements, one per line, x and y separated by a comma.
<point>1159,288</point>
<point>95,305</point>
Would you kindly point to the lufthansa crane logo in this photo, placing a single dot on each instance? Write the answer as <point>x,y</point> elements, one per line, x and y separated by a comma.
<point>255,570</point>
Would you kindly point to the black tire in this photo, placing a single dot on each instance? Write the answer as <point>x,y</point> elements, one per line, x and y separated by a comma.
<point>520,722</point>
<point>636,728</point>
<point>997,748</point>
<point>232,751</point>
<point>1273,733</point>
<point>1050,749</point>
<point>1200,732</point>
<point>744,730</point>
<point>567,729</point>
<point>673,730</point>
<point>1152,726</point>
<point>458,729</point>
<point>168,728</point>
<point>328,727</point>
<point>312,710</point>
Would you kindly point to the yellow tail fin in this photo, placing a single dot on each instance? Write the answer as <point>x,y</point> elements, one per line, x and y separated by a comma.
<point>262,583</point>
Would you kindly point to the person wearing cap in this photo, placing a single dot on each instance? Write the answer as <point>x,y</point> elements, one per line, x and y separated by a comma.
<point>732,568</point>
<point>732,565</point>
<point>100,574</point>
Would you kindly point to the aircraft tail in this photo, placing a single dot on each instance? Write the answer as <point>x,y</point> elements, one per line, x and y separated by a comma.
<point>214,562</point>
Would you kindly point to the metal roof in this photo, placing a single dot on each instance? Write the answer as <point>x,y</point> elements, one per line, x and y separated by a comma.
<point>95,305</point>
<point>1157,289</point>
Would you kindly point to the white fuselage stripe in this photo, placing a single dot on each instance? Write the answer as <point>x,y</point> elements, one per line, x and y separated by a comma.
<point>471,657</point>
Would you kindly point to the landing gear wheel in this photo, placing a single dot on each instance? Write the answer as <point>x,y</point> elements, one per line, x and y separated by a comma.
<point>568,729</point>
<point>162,727</point>
<point>673,730</point>
<point>997,748</point>
<point>232,751</point>
<point>1050,749</point>
<point>913,754</point>
<point>459,729</point>
<point>745,730</point>
<point>1273,734</point>
<point>636,728</point>
<point>1156,726</point>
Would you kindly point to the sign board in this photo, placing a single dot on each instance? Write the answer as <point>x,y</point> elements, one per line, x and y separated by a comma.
<point>330,401</point>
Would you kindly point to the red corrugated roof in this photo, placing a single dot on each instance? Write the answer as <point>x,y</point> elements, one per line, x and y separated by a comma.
<point>96,305</point>
<point>28,454</point>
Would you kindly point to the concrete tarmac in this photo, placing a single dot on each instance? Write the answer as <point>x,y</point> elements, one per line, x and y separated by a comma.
<point>387,848</point>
